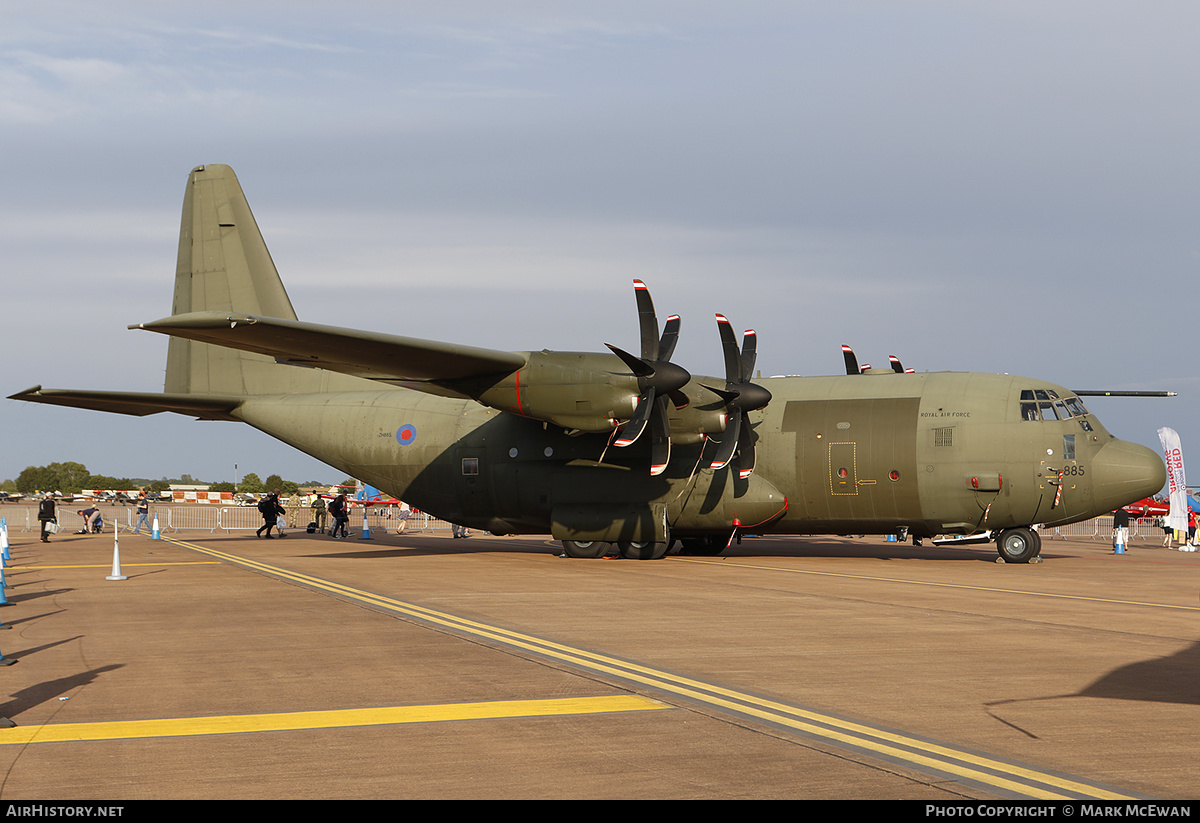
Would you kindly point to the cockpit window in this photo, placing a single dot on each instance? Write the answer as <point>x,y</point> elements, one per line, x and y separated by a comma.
<point>1076,407</point>
<point>1028,407</point>
<point>1045,404</point>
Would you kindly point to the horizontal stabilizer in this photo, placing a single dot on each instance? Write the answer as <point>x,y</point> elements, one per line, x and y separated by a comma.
<point>372,355</point>
<point>205,407</point>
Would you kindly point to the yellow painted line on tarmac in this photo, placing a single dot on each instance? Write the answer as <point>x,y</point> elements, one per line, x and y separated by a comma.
<point>123,565</point>
<point>924,755</point>
<point>932,584</point>
<point>333,719</point>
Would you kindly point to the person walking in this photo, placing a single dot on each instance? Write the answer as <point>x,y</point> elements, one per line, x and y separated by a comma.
<point>337,510</point>
<point>270,510</point>
<point>47,515</point>
<point>143,512</point>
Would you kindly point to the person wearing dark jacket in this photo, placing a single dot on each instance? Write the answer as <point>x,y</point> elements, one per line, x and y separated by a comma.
<point>47,514</point>
<point>270,509</point>
<point>1120,530</point>
<point>337,510</point>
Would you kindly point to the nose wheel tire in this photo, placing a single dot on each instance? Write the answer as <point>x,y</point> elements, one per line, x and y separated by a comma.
<point>1018,545</point>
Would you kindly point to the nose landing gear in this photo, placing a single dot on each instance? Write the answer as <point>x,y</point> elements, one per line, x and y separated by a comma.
<point>1020,545</point>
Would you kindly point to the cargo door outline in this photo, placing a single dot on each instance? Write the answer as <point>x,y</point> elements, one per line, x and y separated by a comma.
<point>843,457</point>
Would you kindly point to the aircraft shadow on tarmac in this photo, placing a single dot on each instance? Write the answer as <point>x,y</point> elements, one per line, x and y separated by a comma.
<point>1171,679</point>
<point>439,546</point>
<point>873,548</point>
<point>416,546</point>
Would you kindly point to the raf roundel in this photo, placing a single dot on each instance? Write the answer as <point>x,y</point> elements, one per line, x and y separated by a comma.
<point>406,434</point>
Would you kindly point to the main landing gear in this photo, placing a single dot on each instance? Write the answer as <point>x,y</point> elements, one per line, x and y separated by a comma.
<point>1020,545</point>
<point>585,548</point>
<point>628,549</point>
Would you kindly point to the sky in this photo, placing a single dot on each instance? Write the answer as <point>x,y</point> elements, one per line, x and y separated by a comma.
<point>990,186</point>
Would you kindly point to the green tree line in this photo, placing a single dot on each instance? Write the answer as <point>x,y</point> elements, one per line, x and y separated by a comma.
<point>72,478</point>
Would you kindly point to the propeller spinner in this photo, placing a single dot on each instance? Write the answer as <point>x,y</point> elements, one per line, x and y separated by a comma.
<point>658,379</point>
<point>741,397</point>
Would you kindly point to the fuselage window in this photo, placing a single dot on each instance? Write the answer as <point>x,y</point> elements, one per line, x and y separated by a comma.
<point>1068,447</point>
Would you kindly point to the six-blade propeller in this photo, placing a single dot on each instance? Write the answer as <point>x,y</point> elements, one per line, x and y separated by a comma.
<point>658,379</point>
<point>741,397</point>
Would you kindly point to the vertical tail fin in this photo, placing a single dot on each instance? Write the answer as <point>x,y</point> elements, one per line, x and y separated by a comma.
<point>224,265</point>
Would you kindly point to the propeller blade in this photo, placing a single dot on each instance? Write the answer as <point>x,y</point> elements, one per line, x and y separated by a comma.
<point>897,366</point>
<point>730,349</point>
<point>727,396</point>
<point>745,456</point>
<point>639,367</point>
<point>728,442</point>
<point>647,321</point>
<point>660,438</point>
<point>637,424</point>
<point>670,336</point>
<point>851,360</point>
<point>749,354</point>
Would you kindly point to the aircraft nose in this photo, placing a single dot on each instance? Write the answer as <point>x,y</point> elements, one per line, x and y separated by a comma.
<point>1124,472</point>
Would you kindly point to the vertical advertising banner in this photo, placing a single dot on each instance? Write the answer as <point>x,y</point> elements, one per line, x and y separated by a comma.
<point>1173,452</point>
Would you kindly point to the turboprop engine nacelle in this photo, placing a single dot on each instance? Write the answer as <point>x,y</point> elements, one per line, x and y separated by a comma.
<point>594,392</point>
<point>582,391</point>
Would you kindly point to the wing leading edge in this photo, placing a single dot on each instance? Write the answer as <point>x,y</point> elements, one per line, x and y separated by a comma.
<point>384,357</point>
<point>140,404</point>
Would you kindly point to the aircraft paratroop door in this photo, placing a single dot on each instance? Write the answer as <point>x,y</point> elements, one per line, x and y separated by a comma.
<point>843,471</point>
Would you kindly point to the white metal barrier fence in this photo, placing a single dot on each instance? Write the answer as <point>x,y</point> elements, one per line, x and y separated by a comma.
<point>1146,529</point>
<point>22,518</point>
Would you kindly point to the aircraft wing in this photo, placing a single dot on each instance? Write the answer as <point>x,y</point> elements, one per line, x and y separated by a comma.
<point>203,406</point>
<point>375,356</point>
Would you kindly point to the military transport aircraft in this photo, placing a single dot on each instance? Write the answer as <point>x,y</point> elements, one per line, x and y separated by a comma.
<point>597,448</point>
